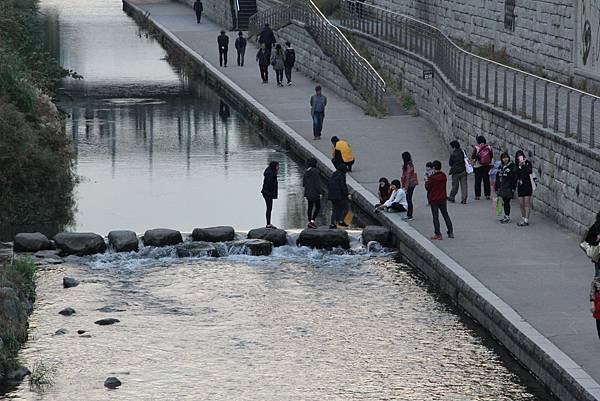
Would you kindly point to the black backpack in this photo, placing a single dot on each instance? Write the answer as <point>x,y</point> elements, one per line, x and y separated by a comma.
<point>290,57</point>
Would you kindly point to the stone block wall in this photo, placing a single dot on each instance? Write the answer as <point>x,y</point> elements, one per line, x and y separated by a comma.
<point>312,62</point>
<point>567,171</point>
<point>218,11</point>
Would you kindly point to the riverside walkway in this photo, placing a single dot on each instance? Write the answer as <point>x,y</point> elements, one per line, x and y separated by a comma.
<point>538,270</point>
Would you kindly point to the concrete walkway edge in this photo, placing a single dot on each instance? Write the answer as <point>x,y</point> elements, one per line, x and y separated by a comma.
<point>565,378</point>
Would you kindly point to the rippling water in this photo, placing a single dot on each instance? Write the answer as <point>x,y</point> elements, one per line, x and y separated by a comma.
<point>302,324</point>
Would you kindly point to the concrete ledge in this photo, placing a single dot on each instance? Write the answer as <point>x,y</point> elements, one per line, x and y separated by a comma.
<point>554,368</point>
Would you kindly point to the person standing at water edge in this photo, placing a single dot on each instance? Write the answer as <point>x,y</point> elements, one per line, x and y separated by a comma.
<point>312,191</point>
<point>223,42</point>
<point>317,111</point>
<point>198,8</point>
<point>435,185</point>
<point>278,62</point>
<point>240,46</point>
<point>458,171</point>
<point>341,152</point>
<point>482,157</point>
<point>269,189</point>
<point>262,58</point>
<point>267,38</point>
<point>337,192</point>
<point>290,60</point>
<point>409,182</point>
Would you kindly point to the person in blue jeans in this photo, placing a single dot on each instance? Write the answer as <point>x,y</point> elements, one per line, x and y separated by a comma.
<point>317,111</point>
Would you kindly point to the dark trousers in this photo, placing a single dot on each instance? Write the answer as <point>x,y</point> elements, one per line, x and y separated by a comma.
<point>482,174</point>
<point>198,16</point>
<point>240,58</point>
<point>318,123</point>
<point>269,203</point>
<point>338,211</point>
<point>436,208</point>
<point>288,74</point>
<point>598,327</point>
<point>398,207</point>
<point>223,57</point>
<point>279,76</point>
<point>316,204</point>
<point>409,196</point>
<point>506,202</point>
<point>264,72</point>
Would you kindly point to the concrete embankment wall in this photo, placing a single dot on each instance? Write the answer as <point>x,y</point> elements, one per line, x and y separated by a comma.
<point>218,11</point>
<point>568,182</point>
<point>555,369</point>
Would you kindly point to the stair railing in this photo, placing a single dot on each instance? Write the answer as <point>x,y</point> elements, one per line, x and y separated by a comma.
<point>331,40</point>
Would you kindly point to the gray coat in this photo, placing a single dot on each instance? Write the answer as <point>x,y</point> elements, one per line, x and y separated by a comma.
<point>279,60</point>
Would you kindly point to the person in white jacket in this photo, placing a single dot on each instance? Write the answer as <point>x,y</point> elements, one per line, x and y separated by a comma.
<point>397,201</point>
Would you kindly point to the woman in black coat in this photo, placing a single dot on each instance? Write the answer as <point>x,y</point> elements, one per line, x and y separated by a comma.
<point>524,186</point>
<point>312,191</point>
<point>592,237</point>
<point>506,181</point>
<point>338,195</point>
<point>269,189</point>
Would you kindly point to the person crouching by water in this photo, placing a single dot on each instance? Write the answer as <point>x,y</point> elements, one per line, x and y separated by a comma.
<point>383,191</point>
<point>342,154</point>
<point>506,181</point>
<point>338,195</point>
<point>269,189</point>
<point>435,185</point>
<point>312,191</point>
<point>397,201</point>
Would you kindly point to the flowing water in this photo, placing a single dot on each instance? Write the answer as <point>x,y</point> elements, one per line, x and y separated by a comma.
<point>156,150</point>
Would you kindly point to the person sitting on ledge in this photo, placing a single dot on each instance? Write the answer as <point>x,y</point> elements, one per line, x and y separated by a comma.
<point>397,201</point>
<point>342,154</point>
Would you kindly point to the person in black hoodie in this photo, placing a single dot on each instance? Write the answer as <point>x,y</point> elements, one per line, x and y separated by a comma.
<point>592,237</point>
<point>312,191</point>
<point>223,42</point>
<point>267,38</point>
<point>458,171</point>
<point>240,46</point>
<point>269,189</point>
<point>290,60</point>
<point>524,186</point>
<point>198,9</point>
<point>506,181</point>
<point>338,195</point>
<point>263,59</point>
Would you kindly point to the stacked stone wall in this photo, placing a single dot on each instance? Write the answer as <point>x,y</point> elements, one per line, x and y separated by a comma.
<point>567,171</point>
<point>218,11</point>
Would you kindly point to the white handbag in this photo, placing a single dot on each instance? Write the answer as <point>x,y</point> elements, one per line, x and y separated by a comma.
<point>468,165</point>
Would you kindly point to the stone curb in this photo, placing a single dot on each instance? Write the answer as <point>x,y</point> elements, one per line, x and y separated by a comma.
<point>565,378</point>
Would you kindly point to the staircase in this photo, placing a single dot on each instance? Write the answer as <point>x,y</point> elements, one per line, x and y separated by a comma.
<point>247,9</point>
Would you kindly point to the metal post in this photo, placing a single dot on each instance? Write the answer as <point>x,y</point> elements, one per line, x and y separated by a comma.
<point>470,76</point>
<point>464,72</point>
<point>496,85</point>
<point>579,133</point>
<point>545,111</point>
<point>568,115</point>
<point>524,98</point>
<point>592,139</point>
<point>487,83</point>
<point>556,109</point>
<point>478,79</point>
<point>534,106</point>
<point>514,93</point>
<point>504,91</point>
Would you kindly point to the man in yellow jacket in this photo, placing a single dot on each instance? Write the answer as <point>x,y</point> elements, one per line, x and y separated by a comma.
<point>342,154</point>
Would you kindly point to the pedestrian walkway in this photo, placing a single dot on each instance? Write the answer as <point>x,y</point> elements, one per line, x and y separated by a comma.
<point>538,270</point>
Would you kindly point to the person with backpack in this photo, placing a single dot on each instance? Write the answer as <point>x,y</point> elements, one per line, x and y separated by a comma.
<point>524,186</point>
<point>223,42</point>
<point>317,111</point>
<point>270,189</point>
<point>278,63</point>
<point>341,152</point>
<point>506,181</point>
<point>458,171</point>
<point>409,182</point>
<point>198,8</point>
<point>312,191</point>
<point>290,60</point>
<point>483,158</point>
<point>337,193</point>
<point>240,46</point>
<point>435,185</point>
<point>262,58</point>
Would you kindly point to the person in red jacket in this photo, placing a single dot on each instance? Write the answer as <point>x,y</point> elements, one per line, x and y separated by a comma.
<point>435,185</point>
<point>595,301</point>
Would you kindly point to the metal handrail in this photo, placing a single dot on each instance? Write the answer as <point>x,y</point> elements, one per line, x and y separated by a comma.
<point>487,80</point>
<point>332,41</point>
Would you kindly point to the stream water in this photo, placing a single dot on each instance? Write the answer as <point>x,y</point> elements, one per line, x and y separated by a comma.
<point>156,150</point>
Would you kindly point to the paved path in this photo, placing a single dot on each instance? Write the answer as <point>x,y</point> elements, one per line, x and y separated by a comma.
<point>538,270</point>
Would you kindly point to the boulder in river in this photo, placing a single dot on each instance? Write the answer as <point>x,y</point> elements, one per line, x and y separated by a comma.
<point>80,244</point>
<point>123,240</point>
<point>324,238</point>
<point>112,382</point>
<point>254,247</point>
<point>31,242</point>
<point>80,332</point>
<point>162,237</point>
<point>69,282</point>
<point>275,235</point>
<point>213,234</point>
<point>67,311</point>
<point>196,249</point>
<point>376,233</point>
<point>107,321</point>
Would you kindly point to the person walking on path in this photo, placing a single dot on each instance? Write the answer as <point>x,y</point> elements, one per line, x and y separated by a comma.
<point>290,60</point>
<point>435,185</point>
<point>397,201</point>
<point>458,171</point>
<point>240,46</point>
<point>383,191</point>
<point>341,153</point>
<point>595,301</point>
<point>592,237</point>
<point>483,158</point>
<point>409,182</point>
<point>337,193</point>
<point>267,37</point>
<point>317,110</point>
<point>278,62</point>
<point>506,180</point>
<point>524,186</point>
<point>269,189</point>
<point>223,42</point>
<point>198,8</point>
<point>312,191</point>
<point>262,57</point>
